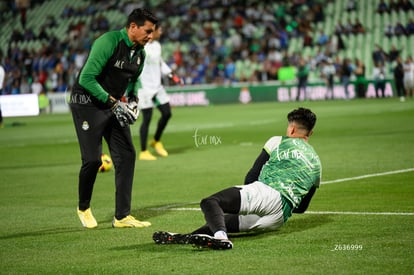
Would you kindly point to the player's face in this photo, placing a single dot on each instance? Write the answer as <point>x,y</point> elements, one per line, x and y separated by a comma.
<point>141,34</point>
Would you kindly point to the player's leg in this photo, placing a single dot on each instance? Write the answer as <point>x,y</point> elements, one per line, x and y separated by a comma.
<point>214,207</point>
<point>156,143</point>
<point>231,221</point>
<point>143,130</point>
<point>165,110</point>
<point>164,107</point>
<point>145,104</point>
<point>90,141</point>
<point>123,156</point>
<point>143,135</point>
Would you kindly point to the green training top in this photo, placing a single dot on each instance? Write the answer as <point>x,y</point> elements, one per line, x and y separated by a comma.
<point>112,68</point>
<point>292,169</point>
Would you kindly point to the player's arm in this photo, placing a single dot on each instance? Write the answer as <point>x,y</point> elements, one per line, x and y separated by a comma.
<point>305,201</point>
<point>101,51</point>
<point>254,172</point>
<point>166,70</point>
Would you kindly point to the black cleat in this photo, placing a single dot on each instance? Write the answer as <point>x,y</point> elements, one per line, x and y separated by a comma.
<point>206,241</point>
<point>163,237</point>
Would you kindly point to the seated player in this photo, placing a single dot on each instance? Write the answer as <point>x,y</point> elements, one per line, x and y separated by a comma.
<point>282,181</point>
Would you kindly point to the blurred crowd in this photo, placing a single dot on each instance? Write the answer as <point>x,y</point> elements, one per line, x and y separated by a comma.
<point>226,41</point>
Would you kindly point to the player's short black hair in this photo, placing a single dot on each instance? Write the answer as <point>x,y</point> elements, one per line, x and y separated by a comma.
<point>140,15</point>
<point>304,117</point>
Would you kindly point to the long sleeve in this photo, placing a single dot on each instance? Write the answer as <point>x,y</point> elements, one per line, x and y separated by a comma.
<point>254,172</point>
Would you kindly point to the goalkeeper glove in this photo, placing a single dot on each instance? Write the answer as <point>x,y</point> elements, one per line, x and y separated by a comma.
<point>122,113</point>
<point>177,80</point>
<point>133,107</point>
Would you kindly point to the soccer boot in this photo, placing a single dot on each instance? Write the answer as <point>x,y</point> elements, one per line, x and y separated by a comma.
<point>86,218</point>
<point>206,241</point>
<point>163,237</point>
<point>129,221</point>
<point>146,155</point>
<point>159,148</point>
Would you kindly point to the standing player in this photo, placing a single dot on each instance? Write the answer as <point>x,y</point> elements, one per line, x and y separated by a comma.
<point>282,180</point>
<point>151,94</point>
<point>111,70</point>
<point>409,76</point>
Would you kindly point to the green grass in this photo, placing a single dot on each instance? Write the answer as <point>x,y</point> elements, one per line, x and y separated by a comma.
<point>41,233</point>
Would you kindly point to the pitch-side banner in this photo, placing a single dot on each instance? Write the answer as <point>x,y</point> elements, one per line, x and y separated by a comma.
<point>19,105</point>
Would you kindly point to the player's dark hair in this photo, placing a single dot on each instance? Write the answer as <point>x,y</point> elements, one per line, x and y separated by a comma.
<point>304,117</point>
<point>140,15</point>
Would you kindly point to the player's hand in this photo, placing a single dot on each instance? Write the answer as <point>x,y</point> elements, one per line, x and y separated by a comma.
<point>123,114</point>
<point>176,79</point>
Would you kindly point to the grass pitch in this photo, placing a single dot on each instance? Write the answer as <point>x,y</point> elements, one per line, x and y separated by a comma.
<point>360,221</point>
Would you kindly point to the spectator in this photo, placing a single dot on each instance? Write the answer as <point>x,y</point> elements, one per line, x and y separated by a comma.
<point>360,82</point>
<point>323,38</point>
<point>349,27</point>
<point>229,71</point>
<point>406,5</point>
<point>393,5</point>
<point>389,30</point>
<point>358,27</point>
<point>328,74</point>
<point>399,29</point>
<point>307,39</point>
<point>302,78</point>
<point>25,86</point>
<point>394,53</point>
<point>382,7</point>
<point>399,78</point>
<point>36,86</point>
<point>379,55</point>
<point>345,75</point>
<point>379,79</point>
<point>339,28</point>
<point>410,27</point>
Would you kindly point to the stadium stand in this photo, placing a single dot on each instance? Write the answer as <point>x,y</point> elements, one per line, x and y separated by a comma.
<point>200,35</point>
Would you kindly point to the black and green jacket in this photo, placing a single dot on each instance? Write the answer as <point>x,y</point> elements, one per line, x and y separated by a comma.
<point>112,68</point>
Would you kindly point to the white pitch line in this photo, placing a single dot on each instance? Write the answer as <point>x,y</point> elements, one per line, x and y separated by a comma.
<point>175,207</point>
<point>360,213</point>
<point>369,176</point>
<point>309,212</point>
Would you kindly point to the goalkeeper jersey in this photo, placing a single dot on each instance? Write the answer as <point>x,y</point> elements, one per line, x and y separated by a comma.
<point>292,169</point>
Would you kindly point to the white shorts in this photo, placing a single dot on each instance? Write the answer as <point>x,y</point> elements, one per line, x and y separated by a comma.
<point>408,82</point>
<point>151,98</point>
<point>261,207</point>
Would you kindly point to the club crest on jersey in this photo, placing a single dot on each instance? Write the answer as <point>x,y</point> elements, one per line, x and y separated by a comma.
<point>85,125</point>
